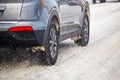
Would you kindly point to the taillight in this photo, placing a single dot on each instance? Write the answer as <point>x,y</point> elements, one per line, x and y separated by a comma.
<point>20,29</point>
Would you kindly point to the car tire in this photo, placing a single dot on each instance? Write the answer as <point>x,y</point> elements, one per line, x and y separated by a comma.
<point>51,53</point>
<point>83,41</point>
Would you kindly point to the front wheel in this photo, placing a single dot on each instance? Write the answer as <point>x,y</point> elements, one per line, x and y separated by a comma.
<point>83,41</point>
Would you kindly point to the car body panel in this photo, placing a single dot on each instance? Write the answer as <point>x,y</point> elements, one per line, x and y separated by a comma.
<point>39,14</point>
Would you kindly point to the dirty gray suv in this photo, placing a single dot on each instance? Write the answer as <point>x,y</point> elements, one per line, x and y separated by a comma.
<point>41,24</point>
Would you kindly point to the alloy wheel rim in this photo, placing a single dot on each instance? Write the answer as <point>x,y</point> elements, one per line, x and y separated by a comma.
<point>53,43</point>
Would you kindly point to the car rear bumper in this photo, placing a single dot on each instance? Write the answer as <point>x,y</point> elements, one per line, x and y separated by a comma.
<point>21,39</point>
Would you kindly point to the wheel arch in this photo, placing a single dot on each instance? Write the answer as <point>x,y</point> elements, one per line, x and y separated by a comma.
<point>87,10</point>
<point>53,15</point>
<point>57,23</point>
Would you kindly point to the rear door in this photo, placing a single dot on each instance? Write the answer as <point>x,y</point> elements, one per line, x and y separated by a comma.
<point>10,9</point>
<point>64,7</point>
<point>75,15</point>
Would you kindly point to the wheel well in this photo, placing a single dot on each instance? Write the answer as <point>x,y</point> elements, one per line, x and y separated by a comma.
<point>57,24</point>
<point>87,11</point>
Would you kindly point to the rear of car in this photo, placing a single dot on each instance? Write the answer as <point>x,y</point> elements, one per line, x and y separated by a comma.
<point>36,24</point>
<point>19,22</point>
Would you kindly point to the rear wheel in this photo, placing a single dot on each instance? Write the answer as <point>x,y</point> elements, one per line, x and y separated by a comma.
<point>49,56</point>
<point>51,52</point>
<point>83,41</point>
